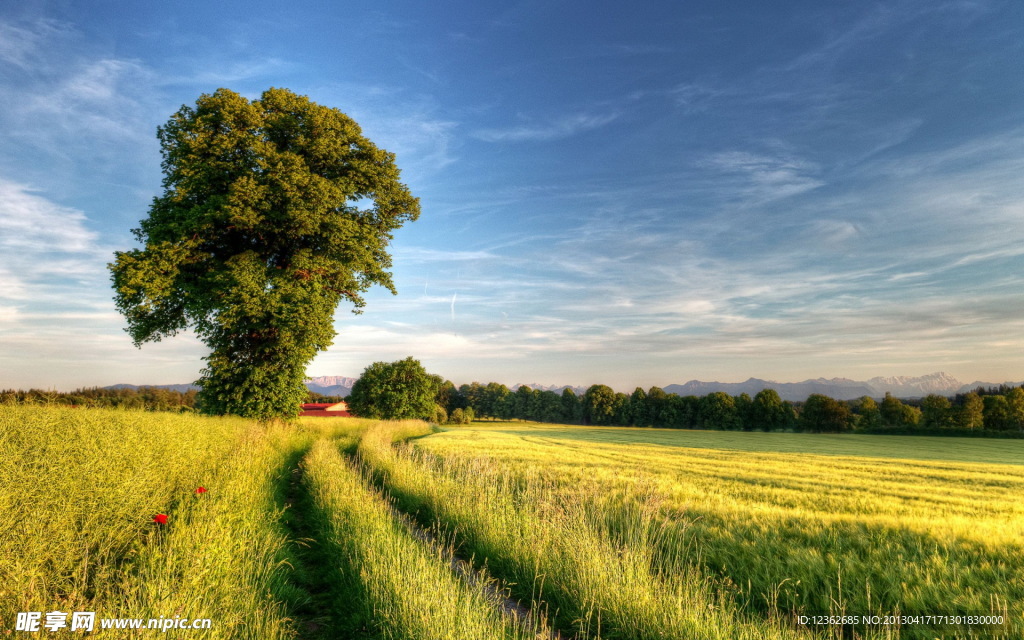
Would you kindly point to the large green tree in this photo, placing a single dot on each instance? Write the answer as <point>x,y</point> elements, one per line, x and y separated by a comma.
<point>896,414</point>
<point>497,401</point>
<point>822,414</point>
<point>395,391</point>
<point>767,411</point>
<point>996,413</point>
<point>870,415</point>
<point>639,411</point>
<point>599,405</point>
<point>572,409</point>
<point>1015,406</point>
<point>273,211</point>
<point>717,410</point>
<point>971,413</point>
<point>659,408</point>
<point>936,412</point>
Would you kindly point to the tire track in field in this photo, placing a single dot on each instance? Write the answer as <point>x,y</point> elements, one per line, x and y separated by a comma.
<point>324,610</point>
<point>464,568</point>
<point>474,578</point>
<point>317,615</point>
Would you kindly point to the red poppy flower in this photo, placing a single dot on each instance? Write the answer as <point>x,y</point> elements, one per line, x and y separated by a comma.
<point>160,518</point>
<point>201,490</point>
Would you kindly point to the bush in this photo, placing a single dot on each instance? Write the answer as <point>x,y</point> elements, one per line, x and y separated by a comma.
<point>461,416</point>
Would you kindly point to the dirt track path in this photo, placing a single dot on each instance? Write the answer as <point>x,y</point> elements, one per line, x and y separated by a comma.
<point>473,577</point>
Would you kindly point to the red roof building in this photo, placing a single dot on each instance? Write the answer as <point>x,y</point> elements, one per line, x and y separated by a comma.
<point>326,410</point>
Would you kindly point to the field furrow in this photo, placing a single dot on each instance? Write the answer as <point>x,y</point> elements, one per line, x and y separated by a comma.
<point>786,533</point>
<point>408,590</point>
<point>597,580</point>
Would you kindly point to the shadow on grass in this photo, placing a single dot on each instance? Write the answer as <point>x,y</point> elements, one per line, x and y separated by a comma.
<point>328,600</point>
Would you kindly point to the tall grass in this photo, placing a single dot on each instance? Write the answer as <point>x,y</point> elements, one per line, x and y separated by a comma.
<point>225,555</point>
<point>408,591</point>
<point>79,489</point>
<point>623,539</point>
<point>599,578</point>
<point>795,532</point>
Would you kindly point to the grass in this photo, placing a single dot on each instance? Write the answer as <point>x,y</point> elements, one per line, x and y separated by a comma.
<point>408,591</point>
<point>613,533</point>
<point>225,555</point>
<point>873,446</point>
<point>264,553</point>
<point>599,577</point>
<point>80,489</point>
<point>786,527</point>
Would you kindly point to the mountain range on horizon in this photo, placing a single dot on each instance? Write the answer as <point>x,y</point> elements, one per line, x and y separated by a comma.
<point>939,383</point>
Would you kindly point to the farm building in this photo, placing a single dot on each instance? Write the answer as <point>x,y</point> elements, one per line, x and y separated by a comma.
<point>326,410</point>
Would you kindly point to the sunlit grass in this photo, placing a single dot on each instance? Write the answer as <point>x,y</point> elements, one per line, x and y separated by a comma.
<point>79,489</point>
<point>408,590</point>
<point>224,554</point>
<point>614,533</point>
<point>599,577</point>
<point>799,532</point>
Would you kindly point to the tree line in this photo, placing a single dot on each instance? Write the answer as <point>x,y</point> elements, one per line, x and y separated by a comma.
<point>147,398</point>
<point>151,398</point>
<point>980,412</point>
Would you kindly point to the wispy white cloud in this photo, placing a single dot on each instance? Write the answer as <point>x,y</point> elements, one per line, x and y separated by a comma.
<point>850,277</point>
<point>698,96</point>
<point>104,101</point>
<point>30,222</point>
<point>71,103</point>
<point>786,215</point>
<point>52,267</point>
<point>831,233</point>
<point>421,254</point>
<point>228,74</point>
<point>856,33</point>
<point>763,178</point>
<point>20,45</point>
<point>563,127</point>
<point>56,309</point>
<point>850,37</point>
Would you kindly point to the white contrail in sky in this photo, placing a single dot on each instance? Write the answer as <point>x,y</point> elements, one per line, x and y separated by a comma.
<point>453,306</point>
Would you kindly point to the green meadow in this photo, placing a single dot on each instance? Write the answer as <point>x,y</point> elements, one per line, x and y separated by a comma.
<point>348,528</point>
<point>796,523</point>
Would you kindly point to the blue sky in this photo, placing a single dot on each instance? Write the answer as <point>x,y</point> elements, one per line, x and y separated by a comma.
<point>631,196</point>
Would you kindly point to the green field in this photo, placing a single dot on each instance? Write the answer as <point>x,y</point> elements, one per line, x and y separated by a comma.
<point>335,529</point>
<point>983,450</point>
<point>799,522</point>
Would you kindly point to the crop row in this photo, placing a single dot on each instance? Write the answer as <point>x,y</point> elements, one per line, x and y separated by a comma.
<point>787,534</point>
<point>271,532</point>
<point>596,570</point>
<point>136,515</point>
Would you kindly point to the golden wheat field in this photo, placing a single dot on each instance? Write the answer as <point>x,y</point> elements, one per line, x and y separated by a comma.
<point>799,523</point>
<point>195,527</point>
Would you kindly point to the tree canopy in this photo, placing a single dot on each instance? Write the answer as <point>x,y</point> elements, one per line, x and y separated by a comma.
<point>599,404</point>
<point>717,410</point>
<point>396,391</point>
<point>273,211</point>
<point>767,411</point>
<point>822,414</point>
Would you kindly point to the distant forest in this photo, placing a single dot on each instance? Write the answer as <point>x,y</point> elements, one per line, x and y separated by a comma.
<point>995,411</point>
<point>151,398</point>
